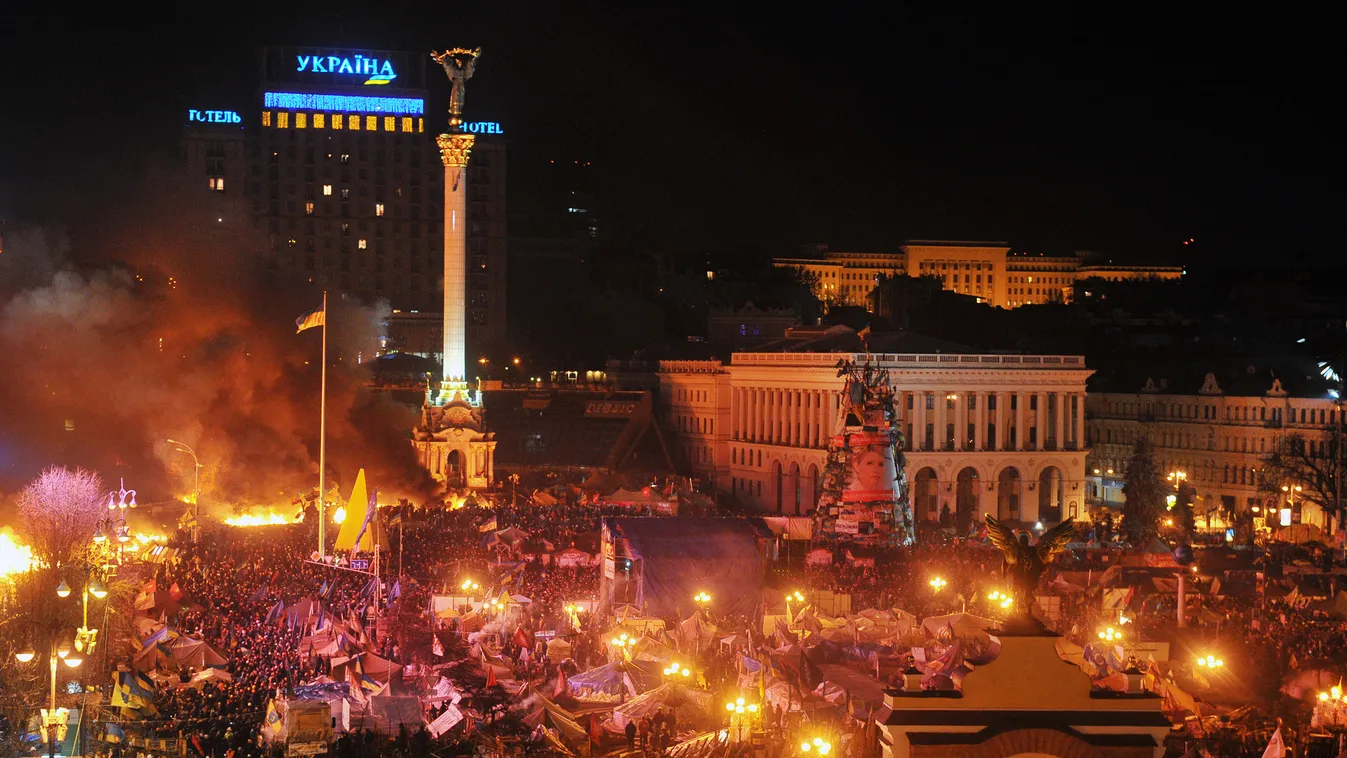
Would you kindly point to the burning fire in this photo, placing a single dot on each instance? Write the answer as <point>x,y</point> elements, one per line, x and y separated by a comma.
<point>339,515</point>
<point>266,519</point>
<point>14,558</point>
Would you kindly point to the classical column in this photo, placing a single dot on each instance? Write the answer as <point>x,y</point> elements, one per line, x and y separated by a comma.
<point>1080,420</point>
<point>754,415</point>
<point>960,411</point>
<point>918,420</point>
<point>455,150</point>
<point>980,424</point>
<point>797,417</point>
<point>1041,420</point>
<point>941,419</point>
<point>775,412</point>
<point>1002,433</point>
<point>1061,421</point>
<point>1021,400</point>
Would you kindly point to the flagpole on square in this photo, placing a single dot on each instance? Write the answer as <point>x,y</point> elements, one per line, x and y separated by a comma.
<point>322,445</point>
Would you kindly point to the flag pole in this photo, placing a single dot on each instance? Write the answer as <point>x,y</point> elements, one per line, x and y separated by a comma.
<point>322,445</point>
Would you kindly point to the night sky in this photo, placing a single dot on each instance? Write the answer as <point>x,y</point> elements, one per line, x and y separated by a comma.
<point>725,128</point>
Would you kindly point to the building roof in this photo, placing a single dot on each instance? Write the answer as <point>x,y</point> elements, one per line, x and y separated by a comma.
<point>844,339</point>
<point>580,428</point>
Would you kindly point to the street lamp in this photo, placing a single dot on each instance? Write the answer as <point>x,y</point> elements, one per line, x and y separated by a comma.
<point>122,498</point>
<point>701,598</point>
<point>937,584</point>
<point>53,718</point>
<point>183,447</point>
<point>1177,478</point>
<point>1290,490</point>
<point>741,714</point>
<point>817,745</point>
<point>677,671</point>
<point>63,590</point>
<point>1210,662</point>
<point>1111,635</point>
<point>1001,599</point>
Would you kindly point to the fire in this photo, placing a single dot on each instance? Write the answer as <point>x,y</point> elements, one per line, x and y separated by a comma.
<point>265,519</point>
<point>14,558</point>
<point>339,515</point>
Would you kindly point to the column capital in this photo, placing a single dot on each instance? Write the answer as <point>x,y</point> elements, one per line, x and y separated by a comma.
<point>455,149</point>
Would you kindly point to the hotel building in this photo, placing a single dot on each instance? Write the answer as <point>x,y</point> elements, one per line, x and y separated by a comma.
<point>992,433</point>
<point>338,164</point>
<point>988,271</point>
<point>1218,440</point>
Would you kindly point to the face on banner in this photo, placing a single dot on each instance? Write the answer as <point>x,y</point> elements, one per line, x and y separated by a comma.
<point>870,472</point>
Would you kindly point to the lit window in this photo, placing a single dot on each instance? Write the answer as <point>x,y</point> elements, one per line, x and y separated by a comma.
<point>266,118</point>
<point>301,121</point>
<point>337,121</point>
<point>282,120</point>
<point>390,124</point>
<point>362,244</point>
<point>353,122</point>
<point>291,242</point>
<point>378,209</point>
<point>319,120</point>
<point>217,183</point>
<point>345,193</point>
<point>406,123</point>
<point>327,189</point>
<point>371,123</point>
<point>420,124</point>
<point>308,209</point>
<point>345,157</point>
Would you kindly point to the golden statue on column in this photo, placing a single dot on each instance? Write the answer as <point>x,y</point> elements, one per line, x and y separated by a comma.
<point>458,65</point>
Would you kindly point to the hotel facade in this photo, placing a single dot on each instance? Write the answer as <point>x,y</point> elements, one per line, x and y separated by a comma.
<point>988,271</point>
<point>991,433</point>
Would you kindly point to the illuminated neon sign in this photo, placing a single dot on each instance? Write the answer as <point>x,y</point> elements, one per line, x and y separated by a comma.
<point>213,117</point>
<point>379,71</point>
<point>483,127</point>
<point>301,101</point>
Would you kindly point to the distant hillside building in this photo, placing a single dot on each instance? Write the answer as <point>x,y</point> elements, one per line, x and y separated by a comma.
<point>987,271</point>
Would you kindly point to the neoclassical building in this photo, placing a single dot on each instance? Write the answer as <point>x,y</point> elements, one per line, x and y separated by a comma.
<point>996,433</point>
<point>1217,436</point>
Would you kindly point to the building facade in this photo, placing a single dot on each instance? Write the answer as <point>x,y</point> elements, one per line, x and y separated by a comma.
<point>988,271</point>
<point>337,161</point>
<point>998,434</point>
<point>1219,442</point>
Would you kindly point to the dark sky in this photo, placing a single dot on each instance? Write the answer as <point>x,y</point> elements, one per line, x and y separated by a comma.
<point>1125,130</point>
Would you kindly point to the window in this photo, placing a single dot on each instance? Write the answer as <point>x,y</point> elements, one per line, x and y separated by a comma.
<point>345,157</point>
<point>345,193</point>
<point>266,118</point>
<point>361,244</point>
<point>282,120</point>
<point>308,209</point>
<point>217,183</point>
<point>371,123</point>
<point>327,190</point>
<point>301,121</point>
<point>378,209</point>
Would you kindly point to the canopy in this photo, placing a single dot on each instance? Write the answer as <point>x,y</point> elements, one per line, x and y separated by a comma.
<point>512,535</point>
<point>572,558</point>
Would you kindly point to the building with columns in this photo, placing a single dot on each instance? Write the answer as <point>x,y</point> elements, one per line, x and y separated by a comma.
<point>992,433</point>
<point>1217,433</point>
<point>987,271</point>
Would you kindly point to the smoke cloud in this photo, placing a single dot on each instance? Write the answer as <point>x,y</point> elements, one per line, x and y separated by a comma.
<point>172,325</point>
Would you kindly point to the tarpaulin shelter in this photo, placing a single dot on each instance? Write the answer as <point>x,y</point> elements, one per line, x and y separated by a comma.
<point>651,649</point>
<point>209,676</point>
<point>674,559</point>
<point>393,711</point>
<point>558,650</point>
<point>512,535</point>
<point>646,496</point>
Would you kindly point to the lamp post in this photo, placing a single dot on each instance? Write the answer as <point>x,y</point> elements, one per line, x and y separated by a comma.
<point>742,714</point>
<point>1290,507</point>
<point>53,718</point>
<point>816,746</point>
<point>183,447</point>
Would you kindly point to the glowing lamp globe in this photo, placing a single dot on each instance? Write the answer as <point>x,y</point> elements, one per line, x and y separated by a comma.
<point>27,653</point>
<point>63,589</point>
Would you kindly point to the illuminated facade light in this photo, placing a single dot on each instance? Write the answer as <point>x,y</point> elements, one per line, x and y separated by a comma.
<point>410,106</point>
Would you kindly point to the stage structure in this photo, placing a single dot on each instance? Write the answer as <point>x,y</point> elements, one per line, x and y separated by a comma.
<point>452,441</point>
<point>865,497</point>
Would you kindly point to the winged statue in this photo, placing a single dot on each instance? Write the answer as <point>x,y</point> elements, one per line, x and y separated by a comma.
<point>1023,563</point>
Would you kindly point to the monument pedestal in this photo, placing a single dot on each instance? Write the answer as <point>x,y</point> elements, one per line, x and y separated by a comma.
<point>1028,701</point>
<point>452,442</point>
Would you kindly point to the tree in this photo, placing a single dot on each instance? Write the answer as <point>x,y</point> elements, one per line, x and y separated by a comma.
<point>59,512</point>
<point>946,518</point>
<point>1145,492</point>
<point>1315,464</point>
<point>1183,510</point>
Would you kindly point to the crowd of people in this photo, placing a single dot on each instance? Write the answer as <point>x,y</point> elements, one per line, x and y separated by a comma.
<point>230,585</point>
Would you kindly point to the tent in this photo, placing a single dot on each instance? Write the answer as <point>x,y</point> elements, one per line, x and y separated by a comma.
<point>356,509</point>
<point>962,623</point>
<point>393,711</point>
<point>558,650</point>
<point>646,496</point>
<point>691,706</point>
<point>572,558</point>
<point>512,535</point>
<point>202,678</point>
<point>187,652</point>
<point>615,679</point>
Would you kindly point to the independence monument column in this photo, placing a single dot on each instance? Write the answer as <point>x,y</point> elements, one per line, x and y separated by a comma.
<point>451,441</point>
